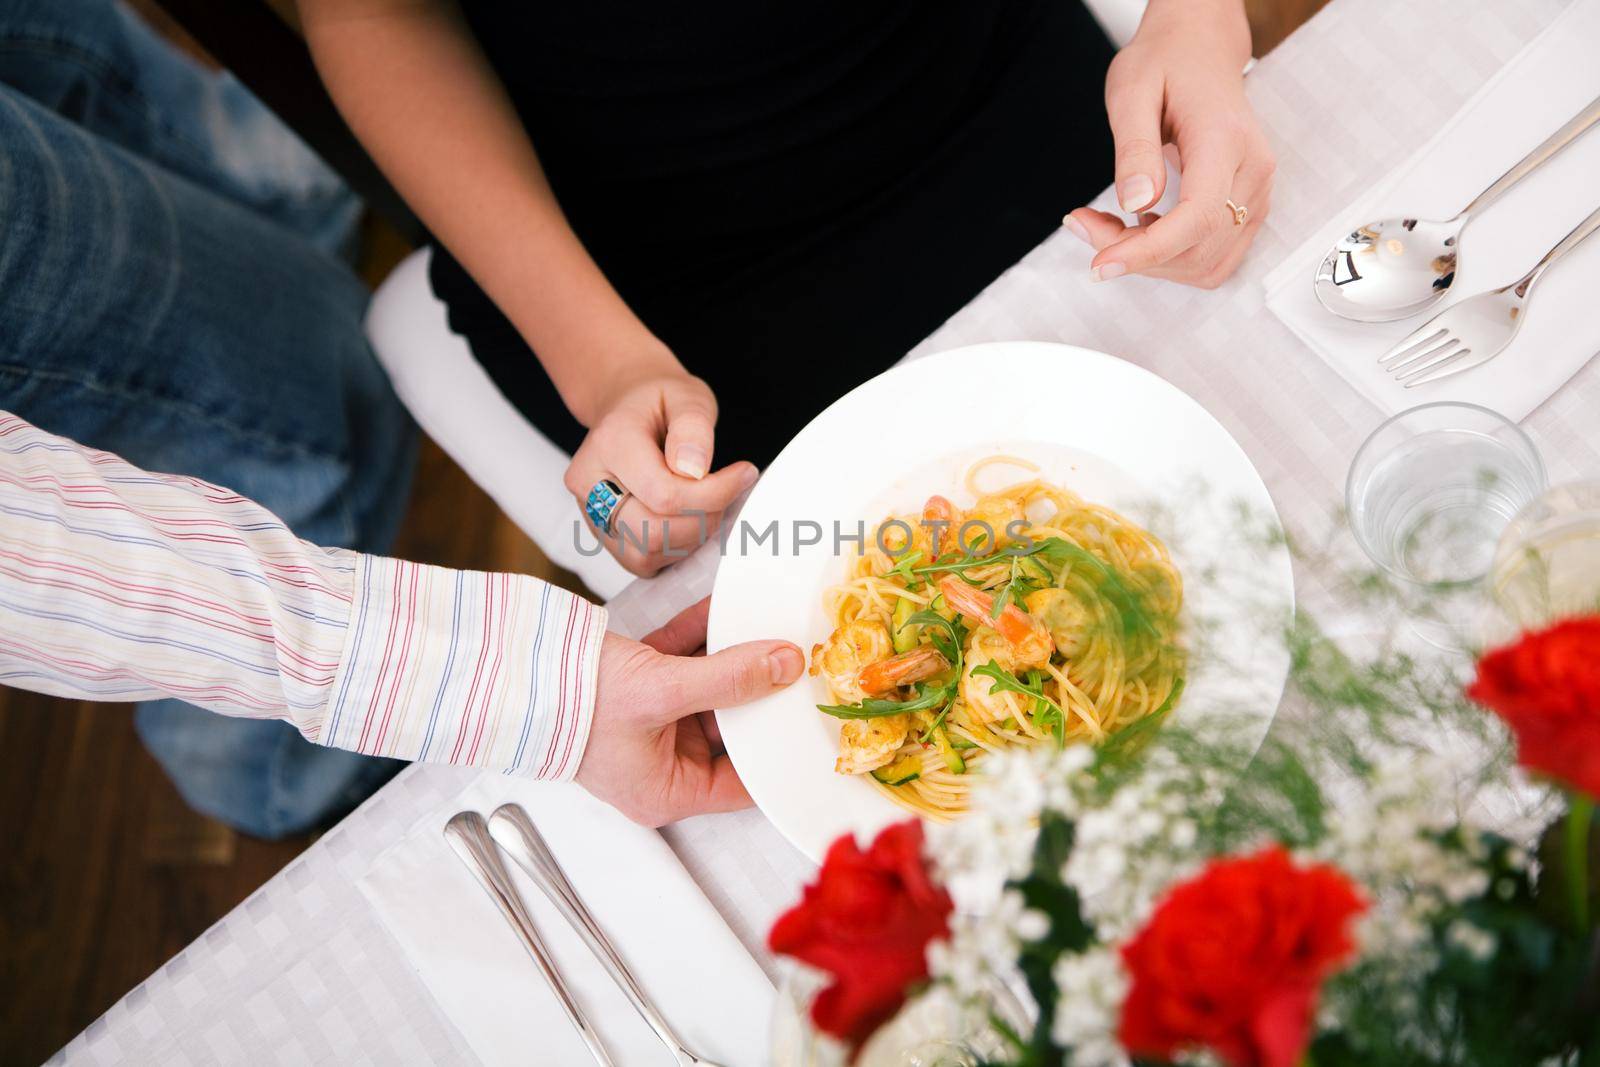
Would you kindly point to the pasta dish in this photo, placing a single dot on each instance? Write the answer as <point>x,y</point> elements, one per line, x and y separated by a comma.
<point>1031,618</point>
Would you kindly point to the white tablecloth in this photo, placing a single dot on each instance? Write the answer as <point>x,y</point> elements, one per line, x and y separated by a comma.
<point>303,971</point>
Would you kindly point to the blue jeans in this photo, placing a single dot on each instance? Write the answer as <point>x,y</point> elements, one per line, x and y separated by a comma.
<point>167,294</point>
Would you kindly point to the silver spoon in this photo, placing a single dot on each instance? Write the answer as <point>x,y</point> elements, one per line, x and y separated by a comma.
<point>468,835</point>
<point>1394,268</point>
<point>1473,331</point>
<point>514,831</point>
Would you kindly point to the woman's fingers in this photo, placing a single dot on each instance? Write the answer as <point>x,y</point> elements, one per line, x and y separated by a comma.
<point>1202,214</point>
<point>691,413</point>
<point>1097,229</point>
<point>638,463</point>
<point>645,542</point>
<point>1235,250</point>
<point>643,539</point>
<point>1133,106</point>
<point>629,451</point>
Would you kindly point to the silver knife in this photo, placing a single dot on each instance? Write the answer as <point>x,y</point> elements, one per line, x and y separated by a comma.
<point>468,835</point>
<point>515,832</point>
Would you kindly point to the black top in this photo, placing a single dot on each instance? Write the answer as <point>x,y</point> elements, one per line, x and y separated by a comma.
<point>719,157</point>
<point>701,124</point>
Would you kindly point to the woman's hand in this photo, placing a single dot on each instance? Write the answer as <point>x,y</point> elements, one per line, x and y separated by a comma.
<point>654,752</point>
<point>1180,81</point>
<point>653,435</point>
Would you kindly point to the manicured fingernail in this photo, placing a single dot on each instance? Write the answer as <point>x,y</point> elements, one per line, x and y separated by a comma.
<point>1074,227</point>
<point>785,664</point>
<point>1135,193</point>
<point>690,461</point>
<point>1106,271</point>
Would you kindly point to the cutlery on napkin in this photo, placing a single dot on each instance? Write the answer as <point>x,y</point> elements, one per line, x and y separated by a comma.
<point>682,952</point>
<point>1553,78</point>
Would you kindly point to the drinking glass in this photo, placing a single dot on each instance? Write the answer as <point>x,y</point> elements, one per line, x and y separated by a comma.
<point>1432,489</point>
<point>1548,562</point>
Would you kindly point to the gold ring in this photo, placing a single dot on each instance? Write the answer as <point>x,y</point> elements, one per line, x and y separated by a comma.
<point>1240,213</point>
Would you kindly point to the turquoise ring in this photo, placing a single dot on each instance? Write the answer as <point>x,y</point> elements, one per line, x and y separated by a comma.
<point>603,505</point>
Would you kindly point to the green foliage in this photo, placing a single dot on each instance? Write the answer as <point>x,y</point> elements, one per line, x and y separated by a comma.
<point>1043,889</point>
<point>1530,999</point>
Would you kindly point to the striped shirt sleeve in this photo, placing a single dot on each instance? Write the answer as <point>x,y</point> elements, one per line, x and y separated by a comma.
<point>118,584</point>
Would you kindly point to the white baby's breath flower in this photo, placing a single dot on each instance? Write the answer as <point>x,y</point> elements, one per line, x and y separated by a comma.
<point>1398,843</point>
<point>1090,989</point>
<point>1032,925</point>
<point>984,945</point>
<point>1473,940</point>
<point>1130,847</point>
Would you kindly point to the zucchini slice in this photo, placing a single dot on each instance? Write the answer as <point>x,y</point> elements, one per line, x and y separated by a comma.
<point>952,759</point>
<point>903,770</point>
<point>904,637</point>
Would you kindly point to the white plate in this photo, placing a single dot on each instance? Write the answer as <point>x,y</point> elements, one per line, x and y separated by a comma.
<point>1109,430</point>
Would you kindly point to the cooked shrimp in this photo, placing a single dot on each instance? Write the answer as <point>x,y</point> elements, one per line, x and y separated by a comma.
<point>1028,642</point>
<point>878,678</point>
<point>1063,614</point>
<point>996,514</point>
<point>867,744</point>
<point>977,691</point>
<point>851,647</point>
<point>940,521</point>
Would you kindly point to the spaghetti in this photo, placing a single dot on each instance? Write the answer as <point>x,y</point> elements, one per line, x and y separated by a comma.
<point>1032,617</point>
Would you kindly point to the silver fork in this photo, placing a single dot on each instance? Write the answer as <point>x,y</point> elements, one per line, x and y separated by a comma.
<point>469,837</point>
<point>1473,332</point>
<point>515,832</point>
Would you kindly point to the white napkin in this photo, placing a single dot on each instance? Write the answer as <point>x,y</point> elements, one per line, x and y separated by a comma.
<point>688,960</point>
<point>1552,79</point>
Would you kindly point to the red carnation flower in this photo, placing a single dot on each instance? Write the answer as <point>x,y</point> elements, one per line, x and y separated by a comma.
<point>1546,687</point>
<point>1233,960</point>
<point>867,921</point>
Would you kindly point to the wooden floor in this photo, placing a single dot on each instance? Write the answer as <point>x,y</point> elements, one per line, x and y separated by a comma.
<point>106,874</point>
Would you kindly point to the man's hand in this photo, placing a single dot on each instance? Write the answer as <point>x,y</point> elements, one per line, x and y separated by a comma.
<point>1180,82</point>
<point>654,752</point>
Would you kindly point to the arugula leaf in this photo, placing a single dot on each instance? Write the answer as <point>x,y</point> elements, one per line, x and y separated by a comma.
<point>1046,712</point>
<point>937,722</point>
<point>1034,571</point>
<point>1000,601</point>
<point>1060,552</point>
<point>964,563</point>
<point>903,567</point>
<point>946,635</point>
<point>929,617</point>
<point>1027,576</point>
<point>1107,582</point>
<point>928,697</point>
<point>1052,548</point>
<point>1005,681</point>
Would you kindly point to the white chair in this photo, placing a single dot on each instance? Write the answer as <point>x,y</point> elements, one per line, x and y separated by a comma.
<point>458,405</point>
<point>1119,18</point>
